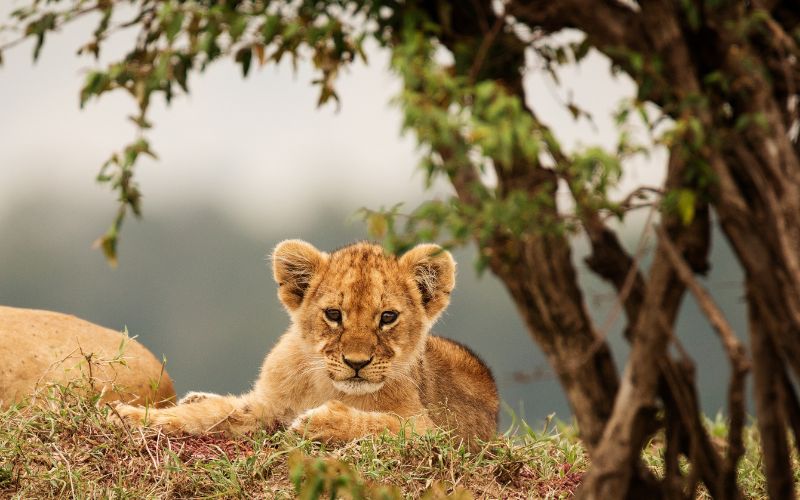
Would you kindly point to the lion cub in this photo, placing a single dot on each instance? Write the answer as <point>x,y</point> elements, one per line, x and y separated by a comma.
<point>357,358</point>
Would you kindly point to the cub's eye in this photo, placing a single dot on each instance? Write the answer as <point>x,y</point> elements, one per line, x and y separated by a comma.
<point>388,317</point>
<point>334,315</point>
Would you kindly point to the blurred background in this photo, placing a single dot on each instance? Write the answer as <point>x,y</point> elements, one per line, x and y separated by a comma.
<point>244,164</point>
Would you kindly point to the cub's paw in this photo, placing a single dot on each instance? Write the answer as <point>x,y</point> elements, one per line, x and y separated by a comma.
<point>138,416</point>
<point>195,396</point>
<point>131,415</point>
<point>333,421</point>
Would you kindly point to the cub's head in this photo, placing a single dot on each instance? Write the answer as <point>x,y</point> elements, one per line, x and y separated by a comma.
<point>363,314</point>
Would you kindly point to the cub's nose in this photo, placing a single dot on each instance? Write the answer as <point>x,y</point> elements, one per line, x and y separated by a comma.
<point>356,364</point>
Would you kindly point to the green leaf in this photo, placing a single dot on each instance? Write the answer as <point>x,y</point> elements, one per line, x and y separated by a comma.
<point>244,56</point>
<point>484,91</point>
<point>377,224</point>
<point>692,14</point>
<point>685,204</point>
<point>173,26</point>
<point>96,83</point>
<point>108,244</point>
<point>581,50</point>
<point>237,27</point>
<point>209,45</point>
<point>180,70</point>
<point>271,28</point>
<point>746,120</point>
<point>161,70</point>
<point>637,62</point>
<point>717,79</point>
<point>290,31</point>
<point>141,122</point>
<point>39,28</point>
<point>102,26</point>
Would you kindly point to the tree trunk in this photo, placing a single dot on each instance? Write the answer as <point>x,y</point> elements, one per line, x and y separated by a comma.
<point>537,270</point>
<point>540,278</point>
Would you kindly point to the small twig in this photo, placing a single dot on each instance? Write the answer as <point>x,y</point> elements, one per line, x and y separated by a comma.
<point>64,19</point>
<point>715,316</point>
<point>124,423</point>
<point>639,191</point>
<point>159,434</point>
<point>147,447</point>
<point>622,296</point>
<point>88,358</point>
<point>69,469</point>
<point>53,365</point>
<point>606,214</point>
<point>481,15</point>
<point>13,43</point>
<point>484,47</point>
<point>627,203</point>
<point>630,278</point>
<point>223,419</point>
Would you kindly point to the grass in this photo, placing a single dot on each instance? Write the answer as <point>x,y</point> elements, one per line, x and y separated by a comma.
<point>62,444</point>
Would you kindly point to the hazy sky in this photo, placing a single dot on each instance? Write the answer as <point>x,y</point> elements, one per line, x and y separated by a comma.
<point>259,148</point>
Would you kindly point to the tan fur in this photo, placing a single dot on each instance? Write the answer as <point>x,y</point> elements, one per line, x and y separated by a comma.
<point>40,347</point>
<point>412,379</point>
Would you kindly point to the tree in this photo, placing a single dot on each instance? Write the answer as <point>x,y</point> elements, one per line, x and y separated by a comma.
<point>717,85</point>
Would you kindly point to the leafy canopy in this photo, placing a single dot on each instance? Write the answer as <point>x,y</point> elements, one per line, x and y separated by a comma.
<point>463,119</point>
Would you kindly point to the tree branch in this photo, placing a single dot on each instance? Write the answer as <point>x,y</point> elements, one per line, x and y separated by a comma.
<point>736,356</point>
<point>606,24</point>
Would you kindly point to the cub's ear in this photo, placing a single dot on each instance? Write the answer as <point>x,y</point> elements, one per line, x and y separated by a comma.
<point>294,263</point>
<point>434,272</point>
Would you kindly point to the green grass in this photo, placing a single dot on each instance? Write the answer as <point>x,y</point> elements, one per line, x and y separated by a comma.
<point>63,444</point>
<point>752,481</point>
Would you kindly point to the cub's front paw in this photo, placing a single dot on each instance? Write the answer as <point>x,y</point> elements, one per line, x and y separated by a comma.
<point>132,415</point>
<point>138,416</point>
<point>333,421</point>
